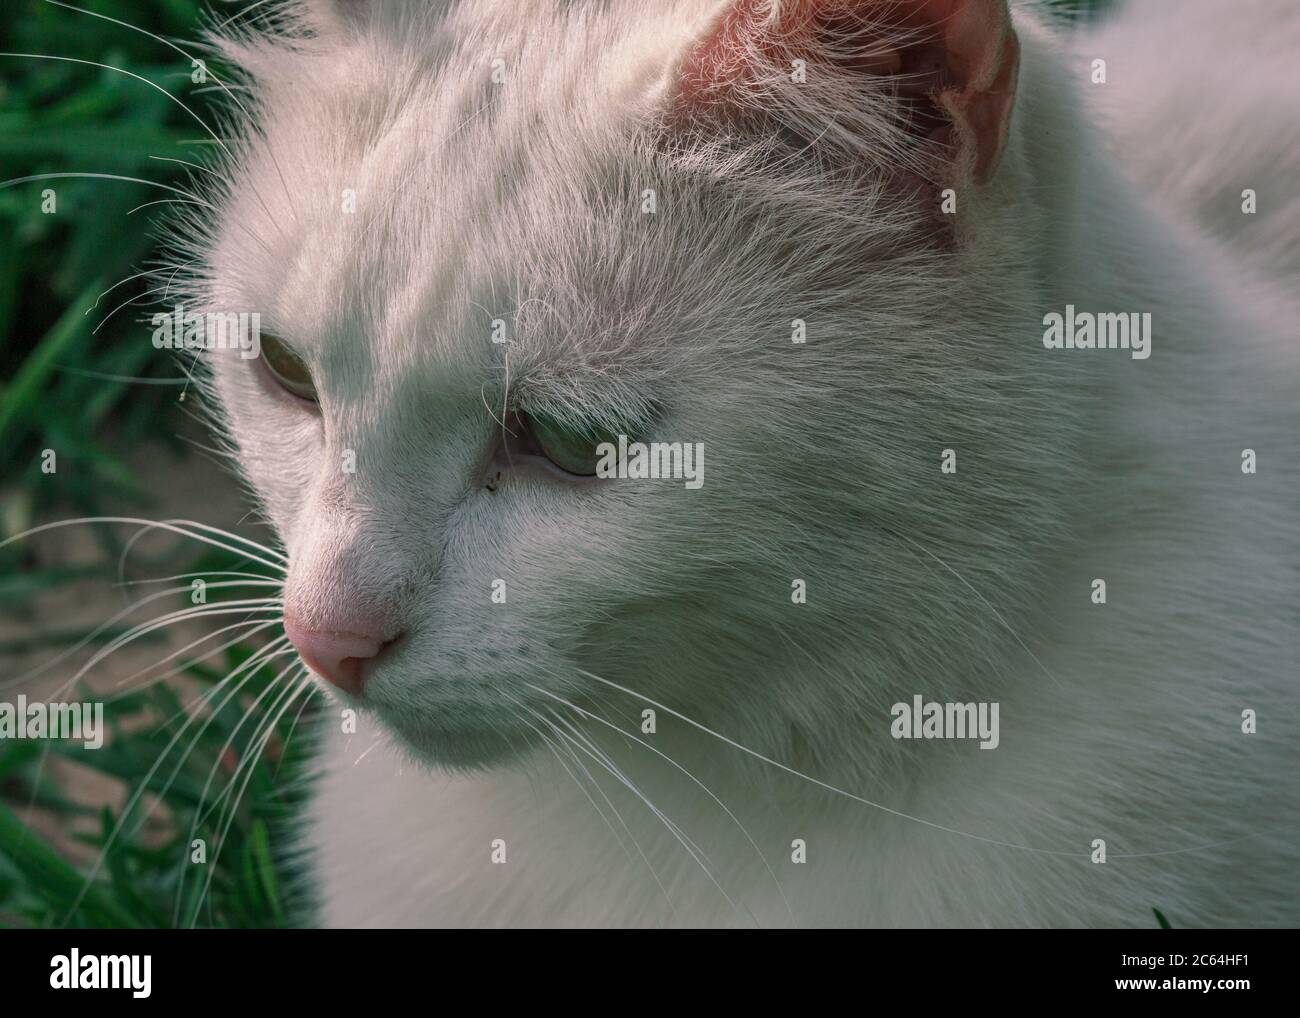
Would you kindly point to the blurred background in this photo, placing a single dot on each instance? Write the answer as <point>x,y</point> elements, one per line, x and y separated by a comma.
<point>94,423</point>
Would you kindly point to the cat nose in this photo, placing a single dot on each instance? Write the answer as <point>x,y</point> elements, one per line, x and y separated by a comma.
<point>341,658</point>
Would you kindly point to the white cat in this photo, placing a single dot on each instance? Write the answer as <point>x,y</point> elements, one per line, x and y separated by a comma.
<point>822,238</point>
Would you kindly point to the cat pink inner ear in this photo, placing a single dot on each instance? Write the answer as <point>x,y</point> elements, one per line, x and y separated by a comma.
<point>960,55</point>
<point>983,48</point>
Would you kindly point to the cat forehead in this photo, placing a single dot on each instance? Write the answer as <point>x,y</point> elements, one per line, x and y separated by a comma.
<point>408,192</point>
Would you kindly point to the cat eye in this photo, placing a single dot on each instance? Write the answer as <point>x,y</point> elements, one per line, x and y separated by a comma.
<point>571,448</point>
<point>287,368</point>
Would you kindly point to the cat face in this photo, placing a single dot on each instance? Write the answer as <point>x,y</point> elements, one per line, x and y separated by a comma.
<point>480,242</point>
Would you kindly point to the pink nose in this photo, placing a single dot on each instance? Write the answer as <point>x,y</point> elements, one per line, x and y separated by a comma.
<point>339,658</point>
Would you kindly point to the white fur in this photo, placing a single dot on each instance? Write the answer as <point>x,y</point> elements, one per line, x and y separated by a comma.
<point>522,201</point>
<point>1215,116</point>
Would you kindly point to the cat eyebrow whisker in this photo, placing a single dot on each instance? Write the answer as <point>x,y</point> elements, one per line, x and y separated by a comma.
<point>162,201</point>
<point>67,174</point>
<point>220,84</point>
<point>138,77</point>
<point>193,198</point>
<point>239,14</point>
<point>120,282</point>
<point>138,297</point>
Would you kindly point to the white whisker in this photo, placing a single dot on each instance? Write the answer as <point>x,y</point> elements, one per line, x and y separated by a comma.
<point>829,787</point>
<point>692,777</point>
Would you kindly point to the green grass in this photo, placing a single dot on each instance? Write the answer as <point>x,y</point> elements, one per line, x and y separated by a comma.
<point>58,366</point>
<point>58,117</point>
<point>198,761</point>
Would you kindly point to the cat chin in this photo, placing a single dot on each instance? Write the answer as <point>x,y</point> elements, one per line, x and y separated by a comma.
<point>462,744</point>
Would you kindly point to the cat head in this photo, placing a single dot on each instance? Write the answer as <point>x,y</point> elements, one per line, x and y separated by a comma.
<point>483,239</point>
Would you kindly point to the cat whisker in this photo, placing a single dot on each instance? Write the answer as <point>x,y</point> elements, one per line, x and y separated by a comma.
<point>367,751</point>
<point>68,651</point>
<point>245,633</point>
<point>66,174</point>
<point>260,578</point>
<point>274,650</point>
<point>584,744</point>
<point>148,777</point>
<point>166,292</point>
<point>159,201</point>
<point>171,526</point>
<point>607,762</point>
<point>120,282</point>
<point>251,664</point>
<point>692,777</point>
<point>105,376</point>
<point>186,162</point>
<point>825,785</point>
<point>555,751</point>
<point>249,766</point>
<point>183,615</point>
<point>228,535</point>
<point>260,725</point>
<point>229,89</point>
<point>212,455</point>
<point>672,910</point>
<point>293,727</point>
<point>551,746</point>
<point>984,601</point>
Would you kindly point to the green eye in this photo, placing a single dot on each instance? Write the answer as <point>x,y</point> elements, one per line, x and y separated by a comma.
<point>571,449</point>
<point>287,368</point>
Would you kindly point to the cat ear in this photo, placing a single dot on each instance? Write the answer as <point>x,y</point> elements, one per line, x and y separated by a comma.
<point>950,65</point>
